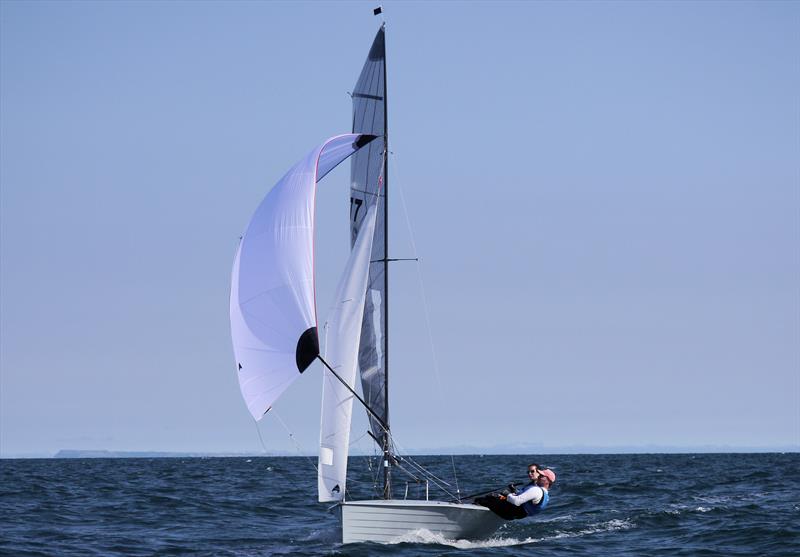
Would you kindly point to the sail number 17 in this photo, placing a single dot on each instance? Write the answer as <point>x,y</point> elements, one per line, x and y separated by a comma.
<point>355,205</point>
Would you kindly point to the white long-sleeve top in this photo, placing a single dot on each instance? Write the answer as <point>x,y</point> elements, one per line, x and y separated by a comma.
<point>532,493</point>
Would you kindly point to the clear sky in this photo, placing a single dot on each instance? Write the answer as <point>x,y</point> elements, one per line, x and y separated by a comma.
<point>605,198</point>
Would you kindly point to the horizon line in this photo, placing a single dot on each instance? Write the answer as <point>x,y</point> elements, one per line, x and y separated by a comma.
<point>431,451</point>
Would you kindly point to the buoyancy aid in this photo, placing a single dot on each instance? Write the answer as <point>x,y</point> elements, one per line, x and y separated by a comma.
<point>532,508</point>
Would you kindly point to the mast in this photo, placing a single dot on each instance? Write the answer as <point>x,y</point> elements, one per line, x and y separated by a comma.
<point>368,185</point>
<point>387,460</point>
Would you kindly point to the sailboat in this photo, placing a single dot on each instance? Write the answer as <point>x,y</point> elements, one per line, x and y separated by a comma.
<point>274,322</point>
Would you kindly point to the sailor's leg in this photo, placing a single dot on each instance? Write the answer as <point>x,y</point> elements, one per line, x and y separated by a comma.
<point>503,509</point>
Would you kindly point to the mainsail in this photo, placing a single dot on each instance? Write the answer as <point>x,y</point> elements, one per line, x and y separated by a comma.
<point>367,178</point>
<point>272,306</point>
<point>342,334</point>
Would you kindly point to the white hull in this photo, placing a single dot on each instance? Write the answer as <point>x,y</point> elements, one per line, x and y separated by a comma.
<point>387,520</point>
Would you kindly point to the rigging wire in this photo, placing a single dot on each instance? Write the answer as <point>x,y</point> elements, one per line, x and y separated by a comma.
<point>350,481</point>
<point>296,444</point>
<point>408,465</point>
<point>260,439</point>
<point>433,478</point>
<point>397,450</point>
<point>359,439</point>
<point>374,469</point>
<point>399,183</point>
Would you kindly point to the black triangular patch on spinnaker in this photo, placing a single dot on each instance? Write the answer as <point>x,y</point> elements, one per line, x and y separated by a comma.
<point>307,349</point>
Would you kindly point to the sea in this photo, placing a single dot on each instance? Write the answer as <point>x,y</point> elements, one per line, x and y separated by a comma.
<point>631,504</point>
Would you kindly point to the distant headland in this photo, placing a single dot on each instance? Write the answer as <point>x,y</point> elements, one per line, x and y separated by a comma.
<point>532,449</point>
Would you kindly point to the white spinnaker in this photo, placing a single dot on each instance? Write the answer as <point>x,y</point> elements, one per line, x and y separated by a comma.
<point>342,337</point>
<point>272,286</point>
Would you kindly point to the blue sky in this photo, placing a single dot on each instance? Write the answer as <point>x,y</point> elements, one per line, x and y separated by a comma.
<point>605,198</point>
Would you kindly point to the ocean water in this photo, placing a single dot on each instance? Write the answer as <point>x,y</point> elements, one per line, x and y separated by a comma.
<point>704,504</point>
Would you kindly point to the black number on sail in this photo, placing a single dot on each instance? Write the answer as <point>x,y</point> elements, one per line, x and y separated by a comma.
<point>356,204</point>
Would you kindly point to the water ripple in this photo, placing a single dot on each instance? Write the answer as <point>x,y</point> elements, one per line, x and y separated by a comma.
<point>669,505</point>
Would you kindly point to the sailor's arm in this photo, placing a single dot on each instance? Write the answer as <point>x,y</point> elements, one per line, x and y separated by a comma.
<point>534,494</point>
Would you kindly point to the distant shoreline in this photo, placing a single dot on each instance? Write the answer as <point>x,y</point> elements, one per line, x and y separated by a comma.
<point>457,451</point>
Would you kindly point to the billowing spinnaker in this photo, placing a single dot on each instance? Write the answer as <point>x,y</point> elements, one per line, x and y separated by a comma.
<point>272,308</point>
<point>342,334</point>
<point>367,188</point>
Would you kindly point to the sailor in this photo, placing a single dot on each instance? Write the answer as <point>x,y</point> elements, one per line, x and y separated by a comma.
<point>534,496</point>
<point>527,501</point>
<point>533,474</point>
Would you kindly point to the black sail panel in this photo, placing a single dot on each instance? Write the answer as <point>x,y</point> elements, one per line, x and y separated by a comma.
<point>366,179</point>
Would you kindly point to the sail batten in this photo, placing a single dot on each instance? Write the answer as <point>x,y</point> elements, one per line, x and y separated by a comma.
<point>272,304</point>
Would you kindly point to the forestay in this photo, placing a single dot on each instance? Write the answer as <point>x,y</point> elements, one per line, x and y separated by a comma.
<point>272,305</point>
<point>342,334</point>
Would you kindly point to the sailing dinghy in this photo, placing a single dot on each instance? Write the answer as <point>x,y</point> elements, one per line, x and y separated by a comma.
<point>275,330</point>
